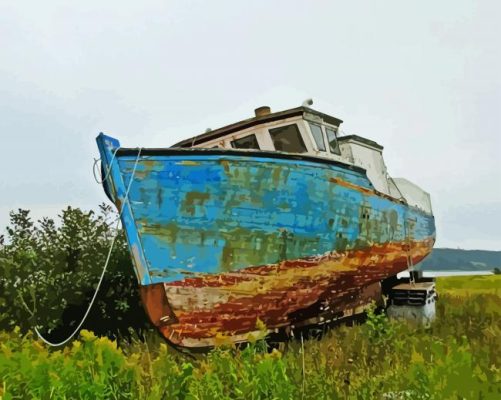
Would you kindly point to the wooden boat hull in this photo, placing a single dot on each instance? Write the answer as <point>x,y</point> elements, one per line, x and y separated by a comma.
<point>227,244</point>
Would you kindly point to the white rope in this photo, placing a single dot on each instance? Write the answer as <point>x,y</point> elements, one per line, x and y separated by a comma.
<point>126,200</point>
<point>410,264</point>
<point>96,160</point>
<point>304,370</point>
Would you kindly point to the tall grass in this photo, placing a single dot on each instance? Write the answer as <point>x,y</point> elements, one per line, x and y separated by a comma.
<point>457,357</point>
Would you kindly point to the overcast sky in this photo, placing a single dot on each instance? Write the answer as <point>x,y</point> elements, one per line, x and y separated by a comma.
<point>421,78</point>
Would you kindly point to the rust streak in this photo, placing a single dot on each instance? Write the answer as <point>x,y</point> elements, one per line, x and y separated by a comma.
<point>349,185</point>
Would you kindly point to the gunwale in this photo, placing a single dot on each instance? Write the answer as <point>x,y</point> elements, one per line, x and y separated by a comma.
<point>194,151</point>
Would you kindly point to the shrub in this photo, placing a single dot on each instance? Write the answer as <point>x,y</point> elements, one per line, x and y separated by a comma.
<point>49,271</point>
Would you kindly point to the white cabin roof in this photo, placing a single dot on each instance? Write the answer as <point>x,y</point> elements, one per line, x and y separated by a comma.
<point>259,119</point>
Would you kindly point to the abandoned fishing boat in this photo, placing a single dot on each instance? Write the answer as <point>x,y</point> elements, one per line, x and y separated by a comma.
<point>272,223</point>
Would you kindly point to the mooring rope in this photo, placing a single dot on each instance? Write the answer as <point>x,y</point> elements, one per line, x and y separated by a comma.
<point>410,263</point>
<point>96,160</point>
<point>108,257</point>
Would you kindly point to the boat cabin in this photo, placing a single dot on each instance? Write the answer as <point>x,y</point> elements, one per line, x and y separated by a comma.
<point>303,130</point>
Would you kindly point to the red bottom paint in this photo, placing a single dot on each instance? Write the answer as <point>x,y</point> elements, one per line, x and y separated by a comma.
<point>202,311</point>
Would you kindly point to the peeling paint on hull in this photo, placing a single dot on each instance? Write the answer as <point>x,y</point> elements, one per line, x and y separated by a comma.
<point>292,293</point>
<point>222,241</point>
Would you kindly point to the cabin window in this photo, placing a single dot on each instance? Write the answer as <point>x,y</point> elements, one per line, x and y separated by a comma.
<point>247,142</point>
<point>333,144</point>
<point>288,139</point>
<point>316,131</point>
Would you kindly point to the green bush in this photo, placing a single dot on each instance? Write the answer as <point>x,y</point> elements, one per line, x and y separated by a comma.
<point>93,368</point>
<point>49,270</point>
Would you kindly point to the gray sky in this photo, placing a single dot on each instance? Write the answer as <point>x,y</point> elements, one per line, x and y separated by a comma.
<point>421,78</point>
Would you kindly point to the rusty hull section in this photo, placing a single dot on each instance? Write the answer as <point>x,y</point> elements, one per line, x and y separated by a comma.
<point>204,311</point>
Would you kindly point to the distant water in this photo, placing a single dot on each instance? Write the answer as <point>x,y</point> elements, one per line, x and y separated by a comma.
<point>434,274</point>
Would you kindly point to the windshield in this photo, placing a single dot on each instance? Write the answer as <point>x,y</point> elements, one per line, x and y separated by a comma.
<point>316,131</point>
<point>288,139</point>
<point>332,139</point>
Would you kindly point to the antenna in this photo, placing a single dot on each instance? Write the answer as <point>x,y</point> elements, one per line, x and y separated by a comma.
<point>307,102</point>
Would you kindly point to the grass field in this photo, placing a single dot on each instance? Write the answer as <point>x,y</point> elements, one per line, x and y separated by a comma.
<point>464,285</point>
<point>457,357</point>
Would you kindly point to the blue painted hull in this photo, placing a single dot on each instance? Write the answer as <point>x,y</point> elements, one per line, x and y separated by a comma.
<point>195,213</point>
